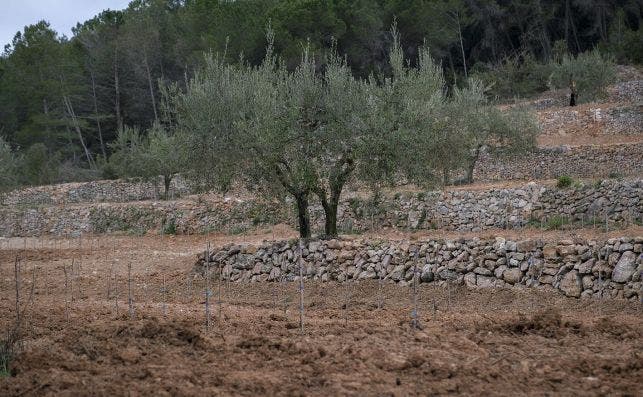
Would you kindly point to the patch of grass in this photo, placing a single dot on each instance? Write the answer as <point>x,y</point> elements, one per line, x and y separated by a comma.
<point>555,222</point>
<point>8,346</point>
<point>615,175</point>
<point>422,218</point>
<point>208,229</point>
<point>357,207</point>
<point>236,230</point>
<point>169,226</point>
<point>564,181</point>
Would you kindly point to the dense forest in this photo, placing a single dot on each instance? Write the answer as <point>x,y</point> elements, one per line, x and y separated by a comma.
<point>64,100</point>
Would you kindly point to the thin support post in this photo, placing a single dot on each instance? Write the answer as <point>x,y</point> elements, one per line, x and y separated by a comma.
<point>301,287</point>
<point>415,322</point>
<point>130,301</point>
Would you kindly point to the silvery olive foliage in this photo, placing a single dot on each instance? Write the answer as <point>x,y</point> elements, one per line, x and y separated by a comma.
<point>307,132</point>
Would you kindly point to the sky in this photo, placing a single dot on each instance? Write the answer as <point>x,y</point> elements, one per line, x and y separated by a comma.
<point>61,14</point>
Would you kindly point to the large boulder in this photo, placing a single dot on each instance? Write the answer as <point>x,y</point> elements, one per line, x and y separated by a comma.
<point>625,267</point>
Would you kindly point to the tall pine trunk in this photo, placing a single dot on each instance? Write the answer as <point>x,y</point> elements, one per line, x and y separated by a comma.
<point>117,93</point>
<point>100,130</point>
<point>151,85</point>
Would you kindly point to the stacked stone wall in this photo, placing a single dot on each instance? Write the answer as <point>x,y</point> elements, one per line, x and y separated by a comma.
<point>617,201</point>
<point>577,268</point>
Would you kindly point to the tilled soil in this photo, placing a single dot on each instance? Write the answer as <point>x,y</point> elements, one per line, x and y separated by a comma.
<point>76,340</point>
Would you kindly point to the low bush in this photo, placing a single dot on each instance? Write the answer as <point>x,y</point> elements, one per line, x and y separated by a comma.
<point>564,181</point>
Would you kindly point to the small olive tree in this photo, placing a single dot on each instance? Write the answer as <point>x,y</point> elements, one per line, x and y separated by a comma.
<point>156,153</point>
<point>473,124</point>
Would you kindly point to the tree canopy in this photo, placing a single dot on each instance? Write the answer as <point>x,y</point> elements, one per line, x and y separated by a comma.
<point>73,95</point>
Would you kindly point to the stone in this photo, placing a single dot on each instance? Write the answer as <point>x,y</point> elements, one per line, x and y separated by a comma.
<point>625,247</point>
<point>427,274</point>
<point>566,250</point>
<point>512,276</point>
<point>511,246</point>
<point>625,267</point>
<point>482,271</point>
<point>550,251</point>
<point>274,274</point>
<point>366,274</point>
<point>499,271</point>
<point>470,279</point>
<point>526,245</point>
<point>586,267</point>
<point>314,246</point>
<point>397,273</point>
<point>588,282</point>
<point>484,282</point>
<point>571,284</point>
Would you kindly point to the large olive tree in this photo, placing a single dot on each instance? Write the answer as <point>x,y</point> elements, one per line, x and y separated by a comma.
<point>300,131</point>
<point>306,132</point>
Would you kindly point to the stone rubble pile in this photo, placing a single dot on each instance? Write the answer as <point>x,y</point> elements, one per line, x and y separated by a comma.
<point>576,268</point>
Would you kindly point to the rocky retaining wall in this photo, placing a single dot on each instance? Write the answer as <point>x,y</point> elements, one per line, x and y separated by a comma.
<point>578,162</point>
<point>577,268</point>
<point>461,210</point>
<point>476,210</point>
<point>626,120</point>
<point>94,192</point>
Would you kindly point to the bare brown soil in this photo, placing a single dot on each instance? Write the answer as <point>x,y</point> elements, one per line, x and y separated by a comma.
<point>488,342</point>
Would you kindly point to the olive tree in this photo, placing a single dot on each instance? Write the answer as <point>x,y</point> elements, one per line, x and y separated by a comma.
<point>299,131</point>
<point>475,124</point>
<point>308,132</point>
<point>158,152</point>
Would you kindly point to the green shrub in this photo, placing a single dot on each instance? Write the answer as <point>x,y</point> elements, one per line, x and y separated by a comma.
<point>615,175</point>
<point>169,226</point>
<point>517,76</point>
<point>592,71</point>
<point>39,166</point>
<point>522,76</point>
<point>564,181</point>
<point>555,222</point>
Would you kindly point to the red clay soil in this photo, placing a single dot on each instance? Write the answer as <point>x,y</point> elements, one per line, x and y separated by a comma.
<point>472,342</point>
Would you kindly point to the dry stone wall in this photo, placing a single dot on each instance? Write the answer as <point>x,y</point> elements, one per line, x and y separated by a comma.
<point>114,191</point>
<point>577,268</point>
<point>578,162</point>
<point>461,210</point>
<point>476,210</point>
<point>621,119</point>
